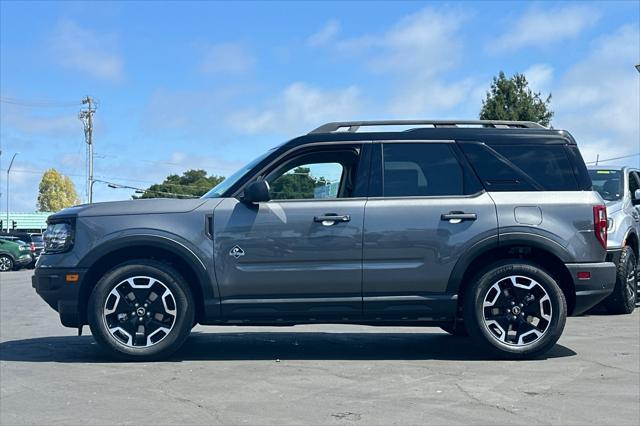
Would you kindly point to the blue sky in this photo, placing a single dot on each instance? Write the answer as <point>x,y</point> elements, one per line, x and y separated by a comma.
<point>211,85</point>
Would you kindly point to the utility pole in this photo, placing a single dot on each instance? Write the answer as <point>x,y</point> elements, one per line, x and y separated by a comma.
<point>7,194</point>
<point>86,116</point>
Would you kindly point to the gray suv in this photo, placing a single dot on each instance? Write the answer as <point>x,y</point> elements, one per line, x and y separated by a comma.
<point>488,228</point>
<point>620,189</point>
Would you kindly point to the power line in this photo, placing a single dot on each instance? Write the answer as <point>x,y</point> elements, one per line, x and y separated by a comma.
<point>613,158</point>
<point>38,103</point>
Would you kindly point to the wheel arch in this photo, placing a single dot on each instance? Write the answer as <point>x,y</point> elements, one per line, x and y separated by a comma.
<point>115,252</point>
<point>631,240</point>
<point>546,256</point>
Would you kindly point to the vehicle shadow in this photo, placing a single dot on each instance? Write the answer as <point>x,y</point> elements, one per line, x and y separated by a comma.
<point>253,346</point>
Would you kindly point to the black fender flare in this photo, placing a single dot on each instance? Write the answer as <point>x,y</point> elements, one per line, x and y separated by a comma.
<point>503,240</point>
<point>178,248</point>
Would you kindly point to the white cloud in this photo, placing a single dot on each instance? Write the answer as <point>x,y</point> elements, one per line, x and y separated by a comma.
<point>325,35</point>
<point>86,51</point>
<point>539,77</point>
<point>545,26</point>
<point>299,108</point>
<point>231,58</point>
<point>598,98</point>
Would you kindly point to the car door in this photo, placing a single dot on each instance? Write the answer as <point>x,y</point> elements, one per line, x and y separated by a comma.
<point>426,209</point>
<point>299,255</point>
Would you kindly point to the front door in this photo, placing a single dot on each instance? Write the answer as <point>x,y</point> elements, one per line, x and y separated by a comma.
<point>298,256</point>
<point>427,209</point>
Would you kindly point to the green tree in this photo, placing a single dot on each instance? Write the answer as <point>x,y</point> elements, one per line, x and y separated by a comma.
<point>512,99</point>
<point>192,183</point>
<point>56,192</point>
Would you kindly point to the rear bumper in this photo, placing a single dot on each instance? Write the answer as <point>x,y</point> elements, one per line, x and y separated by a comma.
<point>62,296</point>
<point>23,260</point>
<point>591,291</point>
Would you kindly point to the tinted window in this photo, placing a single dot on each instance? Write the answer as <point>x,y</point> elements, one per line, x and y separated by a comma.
<point>608,183</point>
<point>421,169</point>
<point>522,167</point>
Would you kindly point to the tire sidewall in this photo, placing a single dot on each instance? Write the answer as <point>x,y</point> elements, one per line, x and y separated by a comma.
<point>170,278</point>
<point>474,313</point>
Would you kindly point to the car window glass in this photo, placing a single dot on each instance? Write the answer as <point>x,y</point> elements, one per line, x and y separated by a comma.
<point>634,184</point>
<point>608,183</point>
<point>307,181</point>
<point>421,169</point>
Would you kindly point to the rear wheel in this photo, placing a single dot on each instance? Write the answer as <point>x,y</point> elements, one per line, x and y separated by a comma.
<point>514,310</point>
<point>141,310</point>
<point>6,263</point>
<point>623,298</point>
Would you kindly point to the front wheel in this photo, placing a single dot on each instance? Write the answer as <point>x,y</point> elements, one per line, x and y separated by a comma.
<point>141,310</point>
<point>514,310</point>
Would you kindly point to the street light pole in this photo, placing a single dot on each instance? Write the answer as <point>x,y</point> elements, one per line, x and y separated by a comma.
<point>8,170</point>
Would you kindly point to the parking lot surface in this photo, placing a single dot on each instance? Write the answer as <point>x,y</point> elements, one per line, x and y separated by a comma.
<point>321,374</point>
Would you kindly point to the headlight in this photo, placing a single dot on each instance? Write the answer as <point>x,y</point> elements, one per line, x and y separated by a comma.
<point>58,237</point>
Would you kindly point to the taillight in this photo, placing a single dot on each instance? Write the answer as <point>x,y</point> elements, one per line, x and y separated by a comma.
<point>600,224</point>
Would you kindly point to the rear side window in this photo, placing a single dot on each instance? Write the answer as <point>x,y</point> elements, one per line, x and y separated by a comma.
<point>422,170</point>
<point>522,167</point>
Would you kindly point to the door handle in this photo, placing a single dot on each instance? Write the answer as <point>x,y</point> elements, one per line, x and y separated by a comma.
<point>330,218</point>
<point>457,217</point>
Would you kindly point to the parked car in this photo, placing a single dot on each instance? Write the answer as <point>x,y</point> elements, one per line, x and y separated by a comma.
<point>13,254</point>
<point>490,227</point>
<point>34,240</point>
<point>620,188</point>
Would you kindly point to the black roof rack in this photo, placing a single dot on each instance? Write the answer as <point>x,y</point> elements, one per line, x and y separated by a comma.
<point>353,126</point>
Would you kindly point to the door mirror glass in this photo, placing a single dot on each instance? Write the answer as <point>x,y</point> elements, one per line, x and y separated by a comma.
<point>256,192</point>
<point>636,196</point>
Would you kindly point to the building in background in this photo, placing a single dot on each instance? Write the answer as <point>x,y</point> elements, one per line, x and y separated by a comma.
<point>25,222</point>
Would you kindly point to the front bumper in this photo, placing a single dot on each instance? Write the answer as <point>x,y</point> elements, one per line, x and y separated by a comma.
<point>62,296</point>
<point>23,260</point>
<point>591,291</point>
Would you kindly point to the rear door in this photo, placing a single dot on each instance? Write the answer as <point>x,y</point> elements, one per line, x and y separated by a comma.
<point>426,210</point>
<point>298,256</point>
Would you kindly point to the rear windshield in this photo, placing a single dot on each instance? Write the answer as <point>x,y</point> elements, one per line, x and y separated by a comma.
<point>36,238</point>
<point>608,183</point>
<point>522,167</point>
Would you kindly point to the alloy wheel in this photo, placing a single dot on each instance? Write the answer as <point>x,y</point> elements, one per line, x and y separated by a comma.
<point>517,311</point>
<point>140,311</point>
<point>5,264</point>
<point>630,284</point>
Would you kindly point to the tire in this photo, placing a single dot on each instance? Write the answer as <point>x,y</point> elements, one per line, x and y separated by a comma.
<point>6,263</point>
<point>623,298</point>
<point>455,329</point>
<point>143,293</point>
<point>503,298</point>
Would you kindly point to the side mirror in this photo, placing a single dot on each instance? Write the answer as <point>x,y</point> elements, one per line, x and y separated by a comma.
<point>636,197</point>
<point>256,192</point>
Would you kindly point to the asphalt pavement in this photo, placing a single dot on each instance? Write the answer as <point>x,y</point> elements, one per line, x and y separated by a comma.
<point>320,374</point>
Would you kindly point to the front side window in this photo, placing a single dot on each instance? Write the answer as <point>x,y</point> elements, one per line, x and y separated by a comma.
<point>421,170</point>
<point>321,174</point>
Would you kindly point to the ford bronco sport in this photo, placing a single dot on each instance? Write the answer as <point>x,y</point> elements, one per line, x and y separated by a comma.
<point>620,189</point>
<point>490,227</point>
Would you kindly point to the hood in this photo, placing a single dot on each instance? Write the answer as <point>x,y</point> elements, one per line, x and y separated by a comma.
<point>129,207</point>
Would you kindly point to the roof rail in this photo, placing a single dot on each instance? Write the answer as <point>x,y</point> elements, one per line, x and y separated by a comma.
<point>353,126</point>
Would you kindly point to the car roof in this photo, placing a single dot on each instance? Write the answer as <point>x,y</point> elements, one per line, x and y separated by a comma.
<point>497,135</point>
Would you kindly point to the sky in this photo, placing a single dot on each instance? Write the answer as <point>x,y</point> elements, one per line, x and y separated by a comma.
<point>211,85</point>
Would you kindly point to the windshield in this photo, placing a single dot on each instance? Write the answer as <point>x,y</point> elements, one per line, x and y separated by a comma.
<point>608,183</point>
<point>223,186</point>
